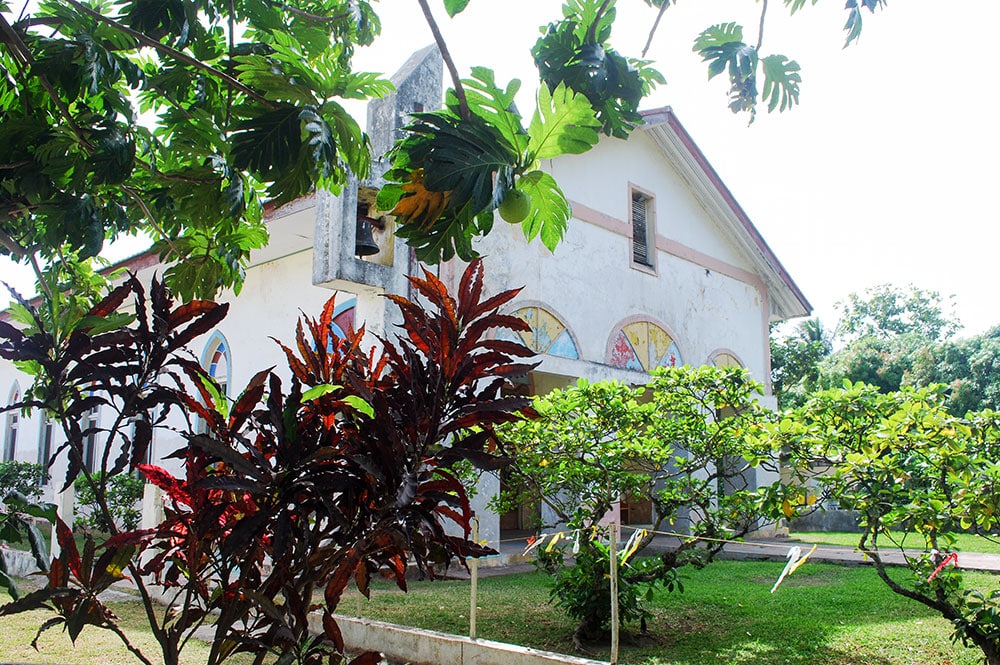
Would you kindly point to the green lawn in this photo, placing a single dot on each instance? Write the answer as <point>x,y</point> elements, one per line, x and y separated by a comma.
<point>821,615</point>
<point>94,646</point>
<point>964,543</point>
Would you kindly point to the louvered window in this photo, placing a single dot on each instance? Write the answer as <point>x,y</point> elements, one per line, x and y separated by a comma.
<point>642,223</point>
<point>91,425</point>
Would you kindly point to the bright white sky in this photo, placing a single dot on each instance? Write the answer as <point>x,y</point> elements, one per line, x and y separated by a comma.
<point>884,173</point>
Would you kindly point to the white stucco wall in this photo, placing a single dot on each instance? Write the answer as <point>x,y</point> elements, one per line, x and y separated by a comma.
<point>590,284</point>
<point>601,178</point>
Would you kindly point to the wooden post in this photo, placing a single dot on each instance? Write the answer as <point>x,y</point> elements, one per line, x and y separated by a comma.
<point>474,592</point>
<point>613,551</point>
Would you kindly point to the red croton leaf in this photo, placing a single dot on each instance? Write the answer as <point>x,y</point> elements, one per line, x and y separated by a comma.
<point>166,482</point>
<point>68,551</point>
<point>332,631</point>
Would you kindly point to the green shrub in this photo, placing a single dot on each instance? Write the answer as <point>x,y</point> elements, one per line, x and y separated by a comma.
<point>583,590</point>
<point>123,493</point>
<point>24,477</point>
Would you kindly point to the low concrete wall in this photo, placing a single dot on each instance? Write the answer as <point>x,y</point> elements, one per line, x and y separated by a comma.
<point>827,520</point>
<point>428,647</point>
<point>19,563</point>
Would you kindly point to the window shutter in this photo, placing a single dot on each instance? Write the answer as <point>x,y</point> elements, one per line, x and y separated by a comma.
<point>640,235</point>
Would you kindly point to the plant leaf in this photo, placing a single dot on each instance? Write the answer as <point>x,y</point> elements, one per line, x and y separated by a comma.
<point>563,123</point>
<point>455,7</point>
<point>781,82</point>
<point>550,211</point>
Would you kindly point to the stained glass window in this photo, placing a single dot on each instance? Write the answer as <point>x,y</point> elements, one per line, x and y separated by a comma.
<point>343,318</point>
<point>642,346</point>
<point>547,334</point>
<point>725,359</point>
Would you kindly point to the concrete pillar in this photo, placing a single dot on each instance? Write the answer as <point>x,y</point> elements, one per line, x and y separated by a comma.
<point>152,506</point>
<point>66,509</point>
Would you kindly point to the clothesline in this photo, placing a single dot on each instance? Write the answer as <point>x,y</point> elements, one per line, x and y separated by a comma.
<point>794,552</point>
<point>683,536</point>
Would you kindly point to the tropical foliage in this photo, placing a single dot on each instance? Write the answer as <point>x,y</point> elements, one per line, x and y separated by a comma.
<point>795,361</point>
<point>892,338</point>
<point>916,475</point>
<point>681,443</point>
<point>181,119</point>
<point>345,473</point>
<point>123,494</point>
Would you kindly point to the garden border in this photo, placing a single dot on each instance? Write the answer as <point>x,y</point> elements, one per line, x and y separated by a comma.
<point>428,647</point>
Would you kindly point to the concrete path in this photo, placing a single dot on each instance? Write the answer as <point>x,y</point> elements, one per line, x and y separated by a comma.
<point>511,559</point>
<point>777,549</point>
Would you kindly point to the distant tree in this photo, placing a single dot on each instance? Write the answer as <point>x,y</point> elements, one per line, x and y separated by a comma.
<point>123,492</point>
<point>795,361</point>
<point>886,311</point>
<point>883,332</point>
<point>884,362</point>
<point>25,478</point>
<point>970,368</point>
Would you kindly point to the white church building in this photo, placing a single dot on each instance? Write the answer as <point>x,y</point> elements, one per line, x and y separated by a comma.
<point>659,266</point>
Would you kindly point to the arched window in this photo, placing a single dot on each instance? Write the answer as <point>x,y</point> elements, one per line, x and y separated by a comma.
<point>343,318</point>
<point>13,422</point>
<point>217,361</point>
<point>724,359</point>
<point>45,439</point>
<point>547,334</point>
<point>641,346</point>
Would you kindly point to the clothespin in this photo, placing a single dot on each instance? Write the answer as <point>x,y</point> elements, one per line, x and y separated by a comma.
<point>951,558</point>
<point>793,555</point>
<point>555,539</point>
<point>576,543</point>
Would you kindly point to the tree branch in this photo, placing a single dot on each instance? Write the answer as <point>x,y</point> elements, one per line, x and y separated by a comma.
<point>592,30</point>
<point>656,24</point>
<point>13,246</point>
<point>173,53</point>
<point>760,32</point>
<point>40,277</point>
<point>463,103</point>
<point>152,220</point>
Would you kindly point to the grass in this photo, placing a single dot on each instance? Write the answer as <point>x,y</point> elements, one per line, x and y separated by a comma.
<point>94,646</point>
<point>964,542</point>
<point>822,615</point>
<point>45,529</point>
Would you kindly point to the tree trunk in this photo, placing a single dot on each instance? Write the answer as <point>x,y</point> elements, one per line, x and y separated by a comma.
<point>990,647</point>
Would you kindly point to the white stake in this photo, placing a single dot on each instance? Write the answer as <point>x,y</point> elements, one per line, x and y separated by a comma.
<point>473,595</point>
<point>613,544</point>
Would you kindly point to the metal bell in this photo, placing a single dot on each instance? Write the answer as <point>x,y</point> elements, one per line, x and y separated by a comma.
<point>364,243</point>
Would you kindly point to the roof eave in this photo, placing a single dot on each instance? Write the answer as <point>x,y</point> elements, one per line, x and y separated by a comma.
<point>671,136</point>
